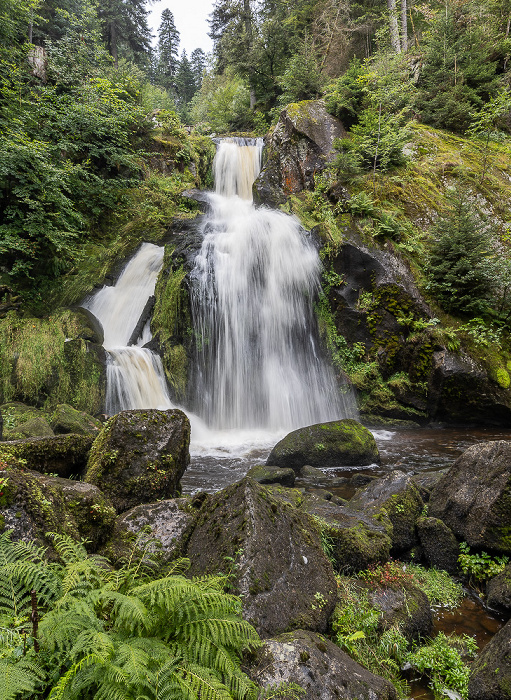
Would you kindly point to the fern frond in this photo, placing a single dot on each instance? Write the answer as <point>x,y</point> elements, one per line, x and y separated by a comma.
<point>60,691</point>
<point>202,684</point>
<point>68,549</point>
<point>60,628</point>
<point>20,677</point>
<point>129,612</point>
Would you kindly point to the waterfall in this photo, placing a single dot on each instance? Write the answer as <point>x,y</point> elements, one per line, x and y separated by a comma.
<point>135,377</point>
<point>258,362</point>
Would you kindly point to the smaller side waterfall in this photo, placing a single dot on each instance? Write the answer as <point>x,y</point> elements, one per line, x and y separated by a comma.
<point>135,377</point>
<point>236,166</point>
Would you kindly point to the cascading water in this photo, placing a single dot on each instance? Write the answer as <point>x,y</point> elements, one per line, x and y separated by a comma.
<point>254,283</point>
<point>135,377</point>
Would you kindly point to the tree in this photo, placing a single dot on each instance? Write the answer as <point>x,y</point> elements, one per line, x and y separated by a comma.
<point>302,80</point>
<point>459,268</point>
<point>167,51</point>
<point>125,30</point>
<point>185,80</point>
<point>198,63</point>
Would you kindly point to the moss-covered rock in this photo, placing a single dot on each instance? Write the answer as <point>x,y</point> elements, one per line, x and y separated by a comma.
<point>490,677</point>
<point>272,475</point>
<point>397,497</point>
<point>140,456</point>
<point>319,667</point>
<point>356,539</point>
<point>23,421</point>
<point>406,607</point>
<point>32,505</point>
<point>334,444</point>
<point>273,553</point>
<point>65,419</point>
<point>474,497</point>
<point>63,455</point>
<point>161,528</point>
<point>439,545</point>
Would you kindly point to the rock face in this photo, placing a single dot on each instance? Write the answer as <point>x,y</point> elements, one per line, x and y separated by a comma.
<point>491,671</point>
<point>140,456</point>
<point>498,590</point>
<point>334,444</point>
<point>64,455</point>
<point>272,475</point>
<point>299,147</point>
<point>394,496</point>
<point>32,505</point>
<point>274,554</point>
<point>474,496</point>
<point>66,419</point>
<point>319,667</point>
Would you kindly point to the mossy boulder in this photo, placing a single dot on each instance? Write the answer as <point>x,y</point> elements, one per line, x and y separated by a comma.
<point>439,545</point>
<point>63,455</point>
<point>23,421</point>
<point>397,497</point>
<point>404,606</point>
<point>490,677</point>
<point>66,419</point>
<point>334,444</point>
<point>161,528</point>
<point>300,146</point>
<point>272,475</point>
<point>357,540</point>
<point>273,553</point>
<point>498,591</point>
<point>319,667</point>
<point>140,456</point>
<point>33,504</point>
<point>87,326</point>
<point>474,497</point>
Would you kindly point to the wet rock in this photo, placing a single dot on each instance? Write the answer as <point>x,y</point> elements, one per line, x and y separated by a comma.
<point>61,455</point>
<point>396,497</point>
<point>490,677</point>
<point>140,456</point>
<point>88,326</point>
<point>23,421</point>
<point>274,554</point>
<point>161,528</point>
<point>66,419</point>
<point>357,539</point>
<point>333,444</point>
<point>32,505</point>
<point>498,591</point>
<point>473,497</point>
<point>300,146</point>
<point>406,607</point>
<point>272,475</point>
<point>439,545</point>
<point>425,482</point>
<point>319,667</point>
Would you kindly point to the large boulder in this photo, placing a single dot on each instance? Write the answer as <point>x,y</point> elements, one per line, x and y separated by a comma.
<point>66,419</point>
<point>32,505</point>
<point>300,146</point>
<point>356,539</point>
<point>162,528</point>
<point>273,553</point>
<point>490,678</point>
<point>397,497</point>
<point>474,496</point>
<point>335,444</point>
<point>140,456</point>
<point>498,591</point>
<point>22,421</point>
<point>439,545</point>
<point>319,667</point>
<point>405,607</point>
<point>61,455</point>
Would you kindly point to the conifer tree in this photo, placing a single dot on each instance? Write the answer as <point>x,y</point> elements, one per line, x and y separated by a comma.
<point>198,63</point>
<point>168,45</point>
<point>185,80</point>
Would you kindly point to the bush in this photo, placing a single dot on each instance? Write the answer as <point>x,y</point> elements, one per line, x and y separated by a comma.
<point>345,96</point>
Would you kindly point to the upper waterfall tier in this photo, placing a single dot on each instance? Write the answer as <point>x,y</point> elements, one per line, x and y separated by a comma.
<point>236,166</point>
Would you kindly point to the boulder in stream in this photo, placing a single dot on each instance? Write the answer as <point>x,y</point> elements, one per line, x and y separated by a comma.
<point>140,456</point>
<point>334,444</point>
<point>318,666</point>
<point>439,545</point>
<point>473,497</point>
<point>490,678</point>
<point>61,455</point>
<point>66,419</point>
<point>273,554</point>
<point>498,591</point>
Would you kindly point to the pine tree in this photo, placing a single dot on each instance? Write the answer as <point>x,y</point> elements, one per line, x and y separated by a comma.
<point>198,62</point>
<point>125,30</point>
<point>168,45</point>
<point>185,80</point>
<point>459,268</point>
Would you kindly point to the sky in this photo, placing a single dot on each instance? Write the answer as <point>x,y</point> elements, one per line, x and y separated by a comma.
<point>190,17</point>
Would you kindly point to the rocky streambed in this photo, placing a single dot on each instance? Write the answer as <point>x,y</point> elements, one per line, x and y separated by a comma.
<point>292,537</point>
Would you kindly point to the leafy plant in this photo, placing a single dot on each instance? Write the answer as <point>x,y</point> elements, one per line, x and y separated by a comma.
<point>480,566</point>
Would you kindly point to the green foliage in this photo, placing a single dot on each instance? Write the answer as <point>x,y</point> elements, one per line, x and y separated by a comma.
<point>441,661</point>
<point>223,103</point>
<point>480,566</point>
<point>440,588</point>
<point>344,97</point>
<point>302,79</point>
<point>119,633</point>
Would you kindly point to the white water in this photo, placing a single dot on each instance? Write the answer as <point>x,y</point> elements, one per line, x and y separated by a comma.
<point>259,371</point>
<point>255,280</point>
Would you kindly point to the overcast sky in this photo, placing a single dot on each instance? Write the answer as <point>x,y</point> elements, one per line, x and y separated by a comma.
<point>190,17</point>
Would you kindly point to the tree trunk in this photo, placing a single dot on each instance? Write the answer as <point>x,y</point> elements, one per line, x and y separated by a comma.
<point>404,26</point>
<point>112,31</point>
<point>393,25</point>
